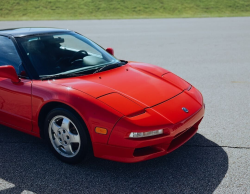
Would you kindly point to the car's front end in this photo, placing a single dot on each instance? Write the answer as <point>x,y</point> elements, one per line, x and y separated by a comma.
<point>156,132</point>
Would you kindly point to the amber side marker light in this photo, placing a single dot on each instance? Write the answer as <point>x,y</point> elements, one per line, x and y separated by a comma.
<point>101,130</point>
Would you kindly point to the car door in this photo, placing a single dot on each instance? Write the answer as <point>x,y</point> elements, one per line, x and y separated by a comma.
<point>15,98</point>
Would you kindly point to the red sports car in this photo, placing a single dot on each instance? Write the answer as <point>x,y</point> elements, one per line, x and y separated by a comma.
<point>58,85</point>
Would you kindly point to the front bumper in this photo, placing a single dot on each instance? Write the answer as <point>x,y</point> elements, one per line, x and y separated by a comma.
<point>135,150</point>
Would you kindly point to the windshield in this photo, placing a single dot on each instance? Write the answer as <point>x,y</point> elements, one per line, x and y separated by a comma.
<point>64,53</point>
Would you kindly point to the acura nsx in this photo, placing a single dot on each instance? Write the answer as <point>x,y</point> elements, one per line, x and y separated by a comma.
<point>58,85</point>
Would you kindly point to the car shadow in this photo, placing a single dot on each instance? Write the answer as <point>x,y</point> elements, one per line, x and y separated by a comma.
<point>198,166</point>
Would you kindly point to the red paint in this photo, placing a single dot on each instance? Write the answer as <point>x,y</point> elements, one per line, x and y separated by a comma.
<point>135,97</point>
<point>15,104</point>
<point>121,103</point>
<point>110,51</point>
<point>9,72</point>
<point>146,89</point>
<point>176,81</point>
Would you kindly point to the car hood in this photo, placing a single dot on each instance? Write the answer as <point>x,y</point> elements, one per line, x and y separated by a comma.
<point>136,82</point>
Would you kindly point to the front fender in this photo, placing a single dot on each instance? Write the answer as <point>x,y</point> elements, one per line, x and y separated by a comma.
<point>92,111</point>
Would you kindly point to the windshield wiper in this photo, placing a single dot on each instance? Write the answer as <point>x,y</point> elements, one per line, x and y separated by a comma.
<point>110,66</point>
<point>61,76</point>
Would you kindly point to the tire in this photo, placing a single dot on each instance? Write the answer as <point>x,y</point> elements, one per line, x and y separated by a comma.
<point>67,136</point>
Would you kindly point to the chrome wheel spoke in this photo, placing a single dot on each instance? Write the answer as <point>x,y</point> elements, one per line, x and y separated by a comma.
<point>57,142</point>
<point>65,124</point>
<point>55,127</point>
<point>68,149</point>
<point>74,138</point>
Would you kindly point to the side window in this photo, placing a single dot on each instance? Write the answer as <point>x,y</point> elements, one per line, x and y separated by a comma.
<point>9,55</point>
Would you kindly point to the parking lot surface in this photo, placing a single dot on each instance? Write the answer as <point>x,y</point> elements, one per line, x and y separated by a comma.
<point>213,54</point>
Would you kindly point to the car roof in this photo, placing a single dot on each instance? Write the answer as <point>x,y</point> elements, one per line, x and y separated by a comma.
<point>19,32</point>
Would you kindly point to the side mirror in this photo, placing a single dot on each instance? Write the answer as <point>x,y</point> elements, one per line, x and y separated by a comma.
<point>110,51</point>
<point>8,71</point>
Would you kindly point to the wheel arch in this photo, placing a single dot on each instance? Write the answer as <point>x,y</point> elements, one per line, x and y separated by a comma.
<point>52,105</point>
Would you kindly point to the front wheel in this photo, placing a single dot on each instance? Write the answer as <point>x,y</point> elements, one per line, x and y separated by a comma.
<point>67,136</point>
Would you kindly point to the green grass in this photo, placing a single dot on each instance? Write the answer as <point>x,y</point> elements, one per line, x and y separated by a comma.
<point>111,9</point>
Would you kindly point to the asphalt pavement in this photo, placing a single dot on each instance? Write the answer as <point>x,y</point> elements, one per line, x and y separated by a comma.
<point>211,53</point>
